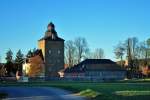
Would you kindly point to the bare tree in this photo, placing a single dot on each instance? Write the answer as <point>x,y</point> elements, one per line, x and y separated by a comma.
<point>98,53</point>
<point>148,47</point>
<point>0,59</point>
<point>119,52</point>
<point>148,42</point>
<point>131,47</point>
<point>70,53</point>
<point>81,48</point>
<point>134,46</point>
<point>137,53</point>
<point>142,52</point>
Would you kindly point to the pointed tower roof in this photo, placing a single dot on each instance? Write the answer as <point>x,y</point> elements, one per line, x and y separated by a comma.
<point>51,33</point>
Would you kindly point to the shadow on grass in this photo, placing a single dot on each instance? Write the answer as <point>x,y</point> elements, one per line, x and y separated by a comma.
<point>117,97</point>
<point>3,95</point>
<point>123,95</point>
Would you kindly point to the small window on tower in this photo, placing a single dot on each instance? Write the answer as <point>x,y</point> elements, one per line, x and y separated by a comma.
<point>50,51</point>
<point>58,51</point>
<point>49,69</point>
<point>50,61</point>
<point>58,61</point>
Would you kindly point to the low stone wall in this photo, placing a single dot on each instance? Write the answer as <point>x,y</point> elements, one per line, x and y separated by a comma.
<point>8,79</point>
<point>87,79</point>
<point>36,79</point>
<point>71,79</point>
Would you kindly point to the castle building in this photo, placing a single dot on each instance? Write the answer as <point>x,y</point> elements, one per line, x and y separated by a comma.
<point>52,48</point>
<point>48,61</point>
<point>94,69</point>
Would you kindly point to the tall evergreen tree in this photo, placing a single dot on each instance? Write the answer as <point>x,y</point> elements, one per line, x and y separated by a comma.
<point>9,63</point>
<point>9,56</point>
<point>29,54</point>
<point>19,60</point>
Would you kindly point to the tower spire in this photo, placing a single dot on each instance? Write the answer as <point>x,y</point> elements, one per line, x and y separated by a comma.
<point>51,32</point>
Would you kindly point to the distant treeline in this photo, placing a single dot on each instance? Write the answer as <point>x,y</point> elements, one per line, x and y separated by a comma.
<point>134,56</point>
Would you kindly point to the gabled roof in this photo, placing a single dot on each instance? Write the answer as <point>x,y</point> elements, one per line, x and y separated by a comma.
<point>97,61</point>
<point>35,53</point>
<point>38,52</point>
<point>102,65</point>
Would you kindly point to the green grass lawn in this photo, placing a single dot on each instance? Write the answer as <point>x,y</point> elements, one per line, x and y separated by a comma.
<point>99,91</point>
<point>109,91</point>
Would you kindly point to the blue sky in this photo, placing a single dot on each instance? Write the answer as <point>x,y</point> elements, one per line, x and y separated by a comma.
<point>102,22</point>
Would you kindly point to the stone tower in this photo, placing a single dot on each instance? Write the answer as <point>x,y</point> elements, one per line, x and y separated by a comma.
<point>53,51</point>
